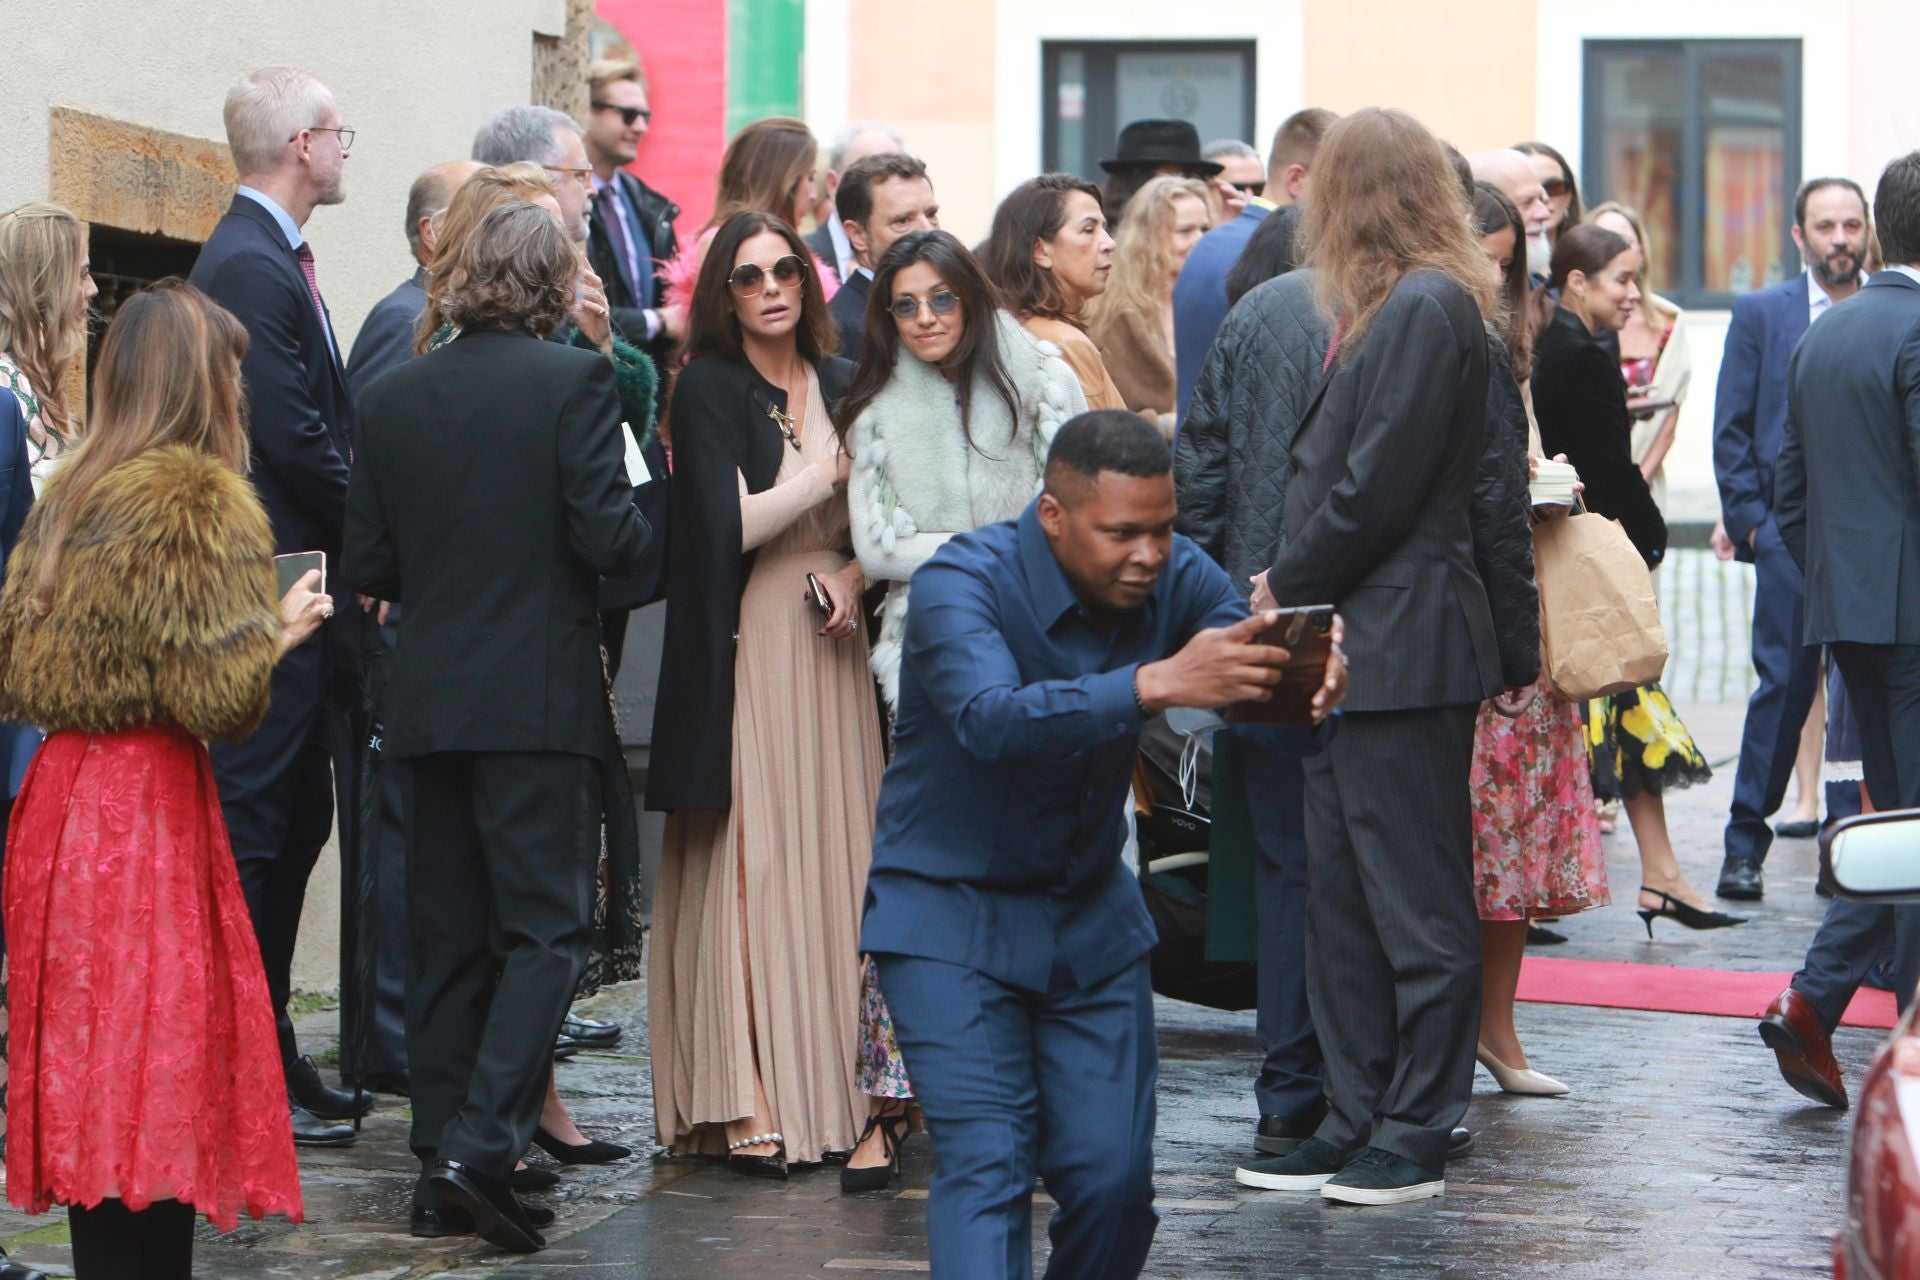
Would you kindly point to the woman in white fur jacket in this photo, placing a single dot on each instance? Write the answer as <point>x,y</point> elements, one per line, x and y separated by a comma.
<point>948,419</point>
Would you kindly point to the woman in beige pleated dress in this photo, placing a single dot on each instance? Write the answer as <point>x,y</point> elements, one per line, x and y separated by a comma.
<point>766,745</point>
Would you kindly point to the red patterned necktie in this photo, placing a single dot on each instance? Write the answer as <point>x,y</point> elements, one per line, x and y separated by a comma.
<point>305,254</point>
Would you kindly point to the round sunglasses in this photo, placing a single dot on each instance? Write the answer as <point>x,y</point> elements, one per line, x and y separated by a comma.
<point>747,277</point>
<point>942,301</point>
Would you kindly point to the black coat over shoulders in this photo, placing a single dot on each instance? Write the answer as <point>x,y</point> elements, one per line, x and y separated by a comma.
<point>489,494</point>
<point>1581,402</point>
<point>721,426</point>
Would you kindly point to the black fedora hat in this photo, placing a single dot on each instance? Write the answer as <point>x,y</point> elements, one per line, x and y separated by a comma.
<point>1147,144</point>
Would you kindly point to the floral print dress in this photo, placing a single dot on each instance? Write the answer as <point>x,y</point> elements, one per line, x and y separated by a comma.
<point>1536,838</point>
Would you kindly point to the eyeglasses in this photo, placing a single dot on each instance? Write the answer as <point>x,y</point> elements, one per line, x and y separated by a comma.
<point>1254,188</point>
<point>943,302</point>
<point>787,271</point>
<point>346,135</point>
<point>582,176</point>
<point>627,114</point>
<point>1556,187</point>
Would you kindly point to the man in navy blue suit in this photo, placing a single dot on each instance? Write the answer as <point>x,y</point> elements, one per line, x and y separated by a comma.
<point>1749,415</point>
<point>1011,939</point>
<point>1200,294</point>
<point>277,787</point>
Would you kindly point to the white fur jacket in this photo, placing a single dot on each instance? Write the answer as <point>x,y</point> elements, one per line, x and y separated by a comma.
<point>916,482</point>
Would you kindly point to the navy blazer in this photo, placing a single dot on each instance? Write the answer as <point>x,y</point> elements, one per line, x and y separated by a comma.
<point>849,311</point>
<point>17,742</point>
<point>299,413</point>
<point>1849,474</point>
<point>1750,404</point>
<point>386,336</point>
<point>1200,297</point>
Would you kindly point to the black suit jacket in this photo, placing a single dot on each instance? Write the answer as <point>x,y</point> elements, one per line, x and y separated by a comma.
<point>488,497</point>
<point>654,215</point>
<point>721,430</point>
<point>1847,484</point>
<point>1378,509</point>
<point>1581,402</point>
<point>820,240</point>
<point>849,311</point>
<point>299,412</point>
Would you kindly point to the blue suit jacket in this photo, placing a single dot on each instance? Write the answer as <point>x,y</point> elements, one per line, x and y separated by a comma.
<point>1750,405</point>
<point>386,335</point>
<point>17,742</point>
<point>1200,297</point>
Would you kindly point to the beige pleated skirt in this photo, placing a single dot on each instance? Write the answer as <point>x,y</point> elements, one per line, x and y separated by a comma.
<point>755,943</point>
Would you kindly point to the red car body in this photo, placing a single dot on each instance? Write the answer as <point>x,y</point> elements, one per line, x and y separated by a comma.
<point>1881,1238</point>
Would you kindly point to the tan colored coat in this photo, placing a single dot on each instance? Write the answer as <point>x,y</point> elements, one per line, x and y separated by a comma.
<point>163,611</point>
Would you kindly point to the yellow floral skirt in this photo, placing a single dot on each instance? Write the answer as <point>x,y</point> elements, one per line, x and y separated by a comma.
<point>1636,744</point>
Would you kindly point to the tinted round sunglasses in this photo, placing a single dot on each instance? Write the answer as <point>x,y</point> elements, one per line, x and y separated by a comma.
<point>943,302</point>
<point>747,277</point>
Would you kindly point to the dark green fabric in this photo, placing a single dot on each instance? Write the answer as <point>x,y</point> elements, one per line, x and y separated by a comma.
<point>1232,929</point>
<point>636,379</point>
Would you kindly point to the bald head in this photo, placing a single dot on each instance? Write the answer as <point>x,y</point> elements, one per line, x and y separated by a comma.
<point>1512,173</point>
<point>431,193</point>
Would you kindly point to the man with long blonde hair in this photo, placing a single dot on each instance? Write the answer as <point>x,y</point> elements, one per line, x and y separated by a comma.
<point>1379,523</point>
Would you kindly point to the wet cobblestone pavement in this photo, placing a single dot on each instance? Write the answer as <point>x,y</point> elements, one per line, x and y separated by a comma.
<point>1680,1152</point>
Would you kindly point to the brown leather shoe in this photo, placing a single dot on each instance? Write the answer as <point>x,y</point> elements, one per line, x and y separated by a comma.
<point>1792,1030</point>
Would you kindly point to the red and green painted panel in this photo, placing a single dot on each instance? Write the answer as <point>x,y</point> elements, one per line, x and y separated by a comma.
<point>712,66</point>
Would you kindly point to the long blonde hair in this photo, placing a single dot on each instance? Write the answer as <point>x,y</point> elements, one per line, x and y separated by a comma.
<point>1386,202</point>
<point>762,168</point>
<point>1142,278</point>
<point>488,189</point>
<point>168,374</point>
<point>41,327</point>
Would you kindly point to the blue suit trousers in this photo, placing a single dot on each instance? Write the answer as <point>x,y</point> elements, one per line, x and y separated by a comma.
<point>1293,1074</point>
<point>1015,1082</point>
<point>1789,674</point>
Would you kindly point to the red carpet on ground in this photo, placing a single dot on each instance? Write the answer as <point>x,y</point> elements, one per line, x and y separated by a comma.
<point>1662,988</point>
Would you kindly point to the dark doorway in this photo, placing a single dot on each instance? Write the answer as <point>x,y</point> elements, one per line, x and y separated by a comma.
<point>125,262</point>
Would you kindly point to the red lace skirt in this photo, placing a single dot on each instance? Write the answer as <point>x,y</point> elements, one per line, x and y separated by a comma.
<point>144,1061</point>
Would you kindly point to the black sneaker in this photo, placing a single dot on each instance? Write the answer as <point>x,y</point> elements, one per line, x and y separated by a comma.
<point>1381,1177</point>
<point>1307,1168</point>
<point>1281,1135</point>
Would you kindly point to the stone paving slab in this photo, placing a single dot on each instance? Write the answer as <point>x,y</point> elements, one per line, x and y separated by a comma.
<point>1680,1153</point>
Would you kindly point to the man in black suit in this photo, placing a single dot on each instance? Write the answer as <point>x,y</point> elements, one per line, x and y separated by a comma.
<point>1379,522</point>
<point>1847,503</point>
<point>630,226</point>
<point>277,787</point>
<point>881,198</point>
<point>489,494</point>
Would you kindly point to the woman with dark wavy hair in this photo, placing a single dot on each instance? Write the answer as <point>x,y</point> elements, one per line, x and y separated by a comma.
<point>948,420</point>
<point>766,742</point>
<point>1050,254</point>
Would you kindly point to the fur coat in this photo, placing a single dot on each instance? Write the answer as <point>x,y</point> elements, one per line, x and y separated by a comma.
<point>163,611</point>
<point>917,481</point>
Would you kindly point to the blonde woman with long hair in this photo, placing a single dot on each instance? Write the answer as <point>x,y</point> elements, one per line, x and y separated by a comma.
<point>1132,322</point>
<point>139,621</point>
<point>46,286</point>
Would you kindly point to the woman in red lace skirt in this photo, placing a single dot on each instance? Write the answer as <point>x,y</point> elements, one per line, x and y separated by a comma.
<point>137,621</point>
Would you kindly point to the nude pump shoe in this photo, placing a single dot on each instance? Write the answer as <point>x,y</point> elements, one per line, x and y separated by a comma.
<point>1522,1081</point>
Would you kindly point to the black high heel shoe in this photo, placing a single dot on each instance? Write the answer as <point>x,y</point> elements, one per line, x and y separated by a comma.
<point>773,1166</point>
<point>878,1177</point>
<point>1684,913</point>
<point>590,1152</point>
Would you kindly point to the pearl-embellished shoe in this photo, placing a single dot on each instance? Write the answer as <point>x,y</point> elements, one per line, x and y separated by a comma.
<point>1520,1080</point>
<point>773,1166</point>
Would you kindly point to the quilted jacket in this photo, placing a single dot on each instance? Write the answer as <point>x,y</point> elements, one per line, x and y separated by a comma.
<point>1233,458</point>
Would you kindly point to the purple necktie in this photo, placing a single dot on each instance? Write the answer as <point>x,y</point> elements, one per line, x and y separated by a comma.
<point>305,254</point>
<point>606,198</point>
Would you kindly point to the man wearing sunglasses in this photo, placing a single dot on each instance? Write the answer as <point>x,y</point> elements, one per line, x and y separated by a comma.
<point>630,226</point>
<point>880,198</point>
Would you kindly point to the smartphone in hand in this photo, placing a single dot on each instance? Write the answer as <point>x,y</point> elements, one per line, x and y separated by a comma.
<point>1306,633</point>
<point>818,594</point>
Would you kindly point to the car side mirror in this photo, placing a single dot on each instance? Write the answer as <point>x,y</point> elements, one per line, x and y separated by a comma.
<point>1876,857</point>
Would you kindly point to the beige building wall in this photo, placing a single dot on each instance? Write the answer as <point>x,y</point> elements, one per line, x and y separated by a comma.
<point>1468,75</point>
<point>938,92</point>
<point>1884,37</point>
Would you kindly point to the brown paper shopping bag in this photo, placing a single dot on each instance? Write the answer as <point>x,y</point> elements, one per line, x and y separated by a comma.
<point>1600,627</point>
